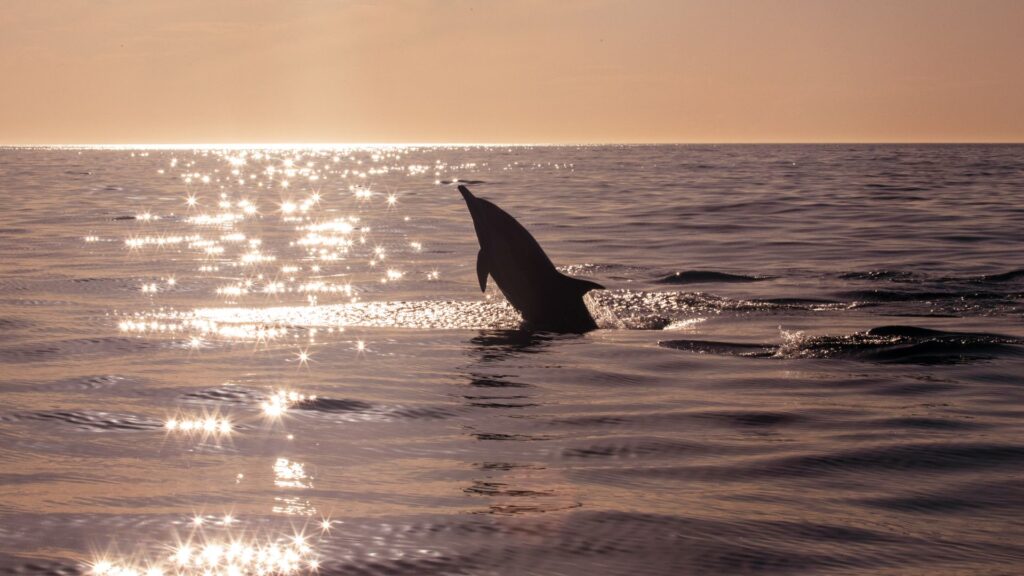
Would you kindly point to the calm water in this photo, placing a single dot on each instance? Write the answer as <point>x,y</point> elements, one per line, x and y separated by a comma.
<point>810,361</point>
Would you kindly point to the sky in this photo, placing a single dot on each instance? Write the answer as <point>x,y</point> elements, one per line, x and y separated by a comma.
<point>526,71</point>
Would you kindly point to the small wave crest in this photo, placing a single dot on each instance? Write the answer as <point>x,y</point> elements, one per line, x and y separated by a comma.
<point>706,277</point>
<point>889,344</point>
<point>639,310</point>
<point>922,295</point>
<point>1010,276</point>
<point>93,421</point>
<point>912,277</point>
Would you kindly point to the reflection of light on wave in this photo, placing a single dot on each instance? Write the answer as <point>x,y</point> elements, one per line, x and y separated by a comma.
<point>423,314</point>
<point>292,475</point>
<point>228,208</point>
<point>686,324</point>
<point>227,554</point>
<point>228,240</point>
<point>202,326</point>
<point>205,425</point>
<point>618,309</point>
<point>266,324</point>
<point>292,506</point>
<point>277,404</point>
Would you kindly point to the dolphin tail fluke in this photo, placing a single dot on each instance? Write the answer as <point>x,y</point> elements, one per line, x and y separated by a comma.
<point>482,270</point>
<point>579,285</point>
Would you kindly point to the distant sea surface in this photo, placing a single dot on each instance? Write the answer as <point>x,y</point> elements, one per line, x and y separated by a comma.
<point>236,361</point>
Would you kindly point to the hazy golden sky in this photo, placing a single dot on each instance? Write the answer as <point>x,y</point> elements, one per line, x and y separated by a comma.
<point>147,71</point>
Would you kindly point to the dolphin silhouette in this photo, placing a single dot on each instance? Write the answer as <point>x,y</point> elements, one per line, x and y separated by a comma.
<point>547,299</point>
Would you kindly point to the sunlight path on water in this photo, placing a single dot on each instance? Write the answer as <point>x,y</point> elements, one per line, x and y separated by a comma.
<point>807,362</point>
<point>425,314</point>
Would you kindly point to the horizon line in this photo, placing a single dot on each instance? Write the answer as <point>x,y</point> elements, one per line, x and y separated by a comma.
<point>330,145</point>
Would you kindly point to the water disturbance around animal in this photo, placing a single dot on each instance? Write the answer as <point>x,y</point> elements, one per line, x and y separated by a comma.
<point>807,360</point>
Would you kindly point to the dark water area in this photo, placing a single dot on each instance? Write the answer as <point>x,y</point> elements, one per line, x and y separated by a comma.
<point>809,361</point>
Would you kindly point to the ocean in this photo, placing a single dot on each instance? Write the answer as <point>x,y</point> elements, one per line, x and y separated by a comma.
<point>230,361</point>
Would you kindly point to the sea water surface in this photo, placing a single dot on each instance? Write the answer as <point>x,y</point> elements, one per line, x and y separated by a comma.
<point>278,361</point>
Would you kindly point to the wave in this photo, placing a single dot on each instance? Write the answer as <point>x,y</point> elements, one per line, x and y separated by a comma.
<point>611,308</point>
<point>887,344</point>
<point>61,349</point>
<point>228,394</point>
<point>736,419</point>
<point>722,348</point>
<point>10,327</point>
<point>347,410</point>
<point>627,448</point>
<point>913,277</point>
<point>620,271</point>
<point>707,277</point>
<point>924,295</point>
<point>1006,496</point>
<point>392,314</point>
<point>343,409</point>
<point>86,383</point>
<point>999,278</point>
<point>902,457</point>
<point>640,310</point>
<point>93,421</point>
<point>884,275</point>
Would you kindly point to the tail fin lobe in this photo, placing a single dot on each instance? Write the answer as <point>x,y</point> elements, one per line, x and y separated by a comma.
<point>580,285</point>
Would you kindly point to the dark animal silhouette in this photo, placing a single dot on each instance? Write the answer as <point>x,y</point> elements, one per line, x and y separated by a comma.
<point>547,299</point>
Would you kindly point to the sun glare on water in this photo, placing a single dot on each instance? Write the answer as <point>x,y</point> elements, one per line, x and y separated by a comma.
<point>274,248</point>
<point>213,547</point>
<point>324,196</point>
<point>344,249</point>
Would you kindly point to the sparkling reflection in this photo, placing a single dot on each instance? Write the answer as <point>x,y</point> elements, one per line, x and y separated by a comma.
<point>272,323</point>
<point>219,553</point>
<point>290,474</point>
<point>274,246</point>
<point>278,403</point>
<point>324,200</point>
<point>206,425</point>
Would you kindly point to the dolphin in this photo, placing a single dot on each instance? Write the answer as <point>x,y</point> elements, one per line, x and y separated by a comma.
<point>546,298</point>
